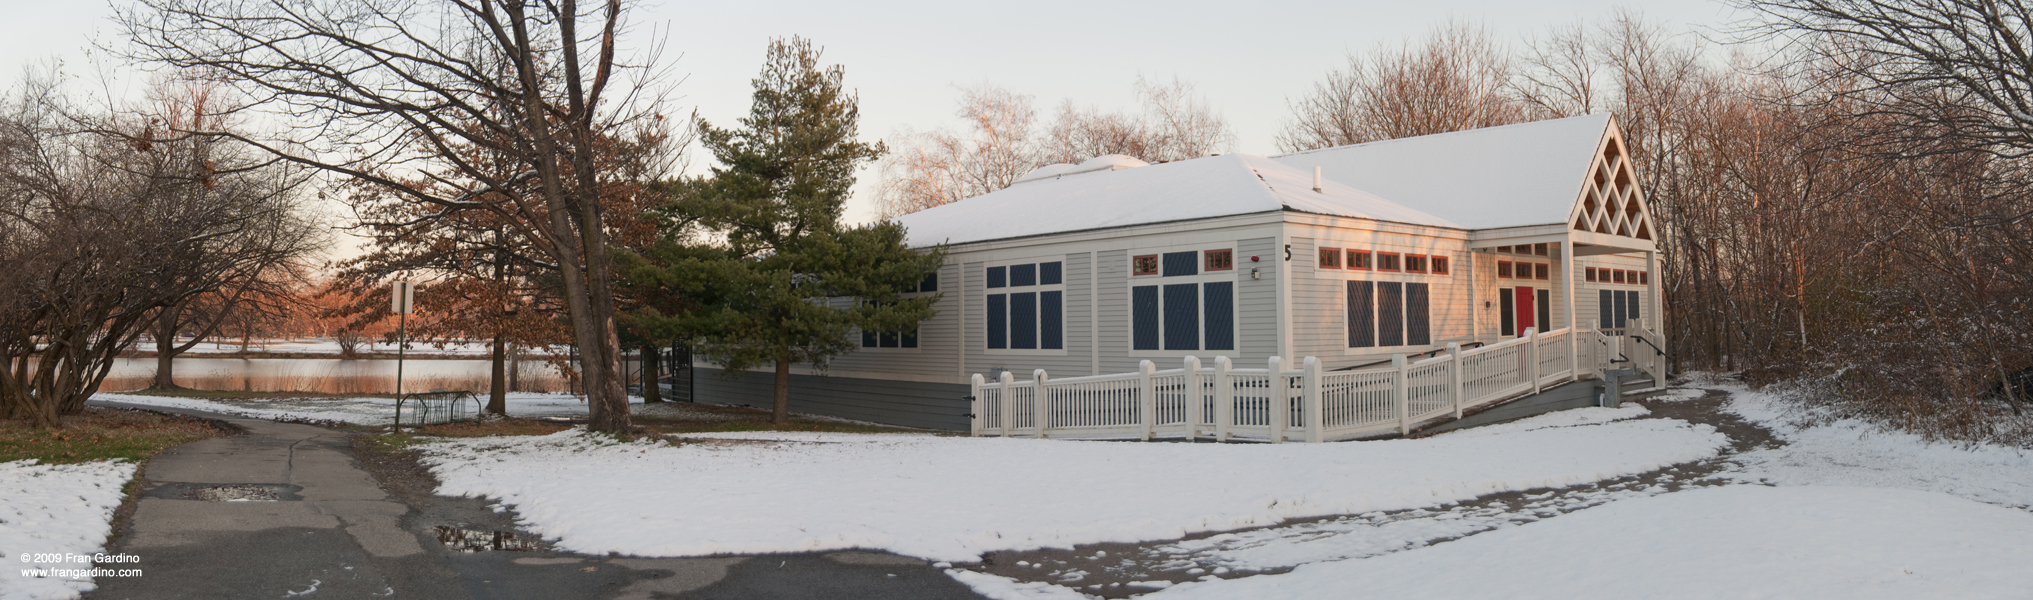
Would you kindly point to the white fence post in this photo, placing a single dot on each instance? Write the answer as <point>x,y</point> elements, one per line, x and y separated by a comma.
<point>1192,397</point>
<point>1532,358</point>
<point>1044,400</point>
<point>1454,383</point>
<point>1311,402</point>
<point>1401,393</point>
<point>1150,396</point>
<point>974,405</point>
<point>1008,402</point>
<point>1275,407</point>
<point>1224,399</point>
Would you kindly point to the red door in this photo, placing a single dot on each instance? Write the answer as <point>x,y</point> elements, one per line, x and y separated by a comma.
<point>1526,311</point>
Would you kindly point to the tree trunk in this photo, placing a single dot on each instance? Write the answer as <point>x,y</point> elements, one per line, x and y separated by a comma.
<point>497,388</point>
<point>780,414</point>
<point>165,349</point>
<point>652,374</point>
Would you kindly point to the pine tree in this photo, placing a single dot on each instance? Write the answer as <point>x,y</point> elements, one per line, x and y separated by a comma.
<point>789,283</point>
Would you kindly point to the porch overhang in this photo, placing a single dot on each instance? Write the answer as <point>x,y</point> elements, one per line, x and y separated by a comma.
<point>1585,243</point>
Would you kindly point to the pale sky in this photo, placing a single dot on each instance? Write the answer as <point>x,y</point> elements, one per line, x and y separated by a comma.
<point>904,57</point>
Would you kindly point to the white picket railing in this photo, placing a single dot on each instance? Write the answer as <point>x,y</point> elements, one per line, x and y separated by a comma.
<point>1276,404</point>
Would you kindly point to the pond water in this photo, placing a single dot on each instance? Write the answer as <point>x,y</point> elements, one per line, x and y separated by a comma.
<point>333,375</point>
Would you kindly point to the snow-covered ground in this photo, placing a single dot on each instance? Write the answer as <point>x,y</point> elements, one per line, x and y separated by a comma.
<point>1853,453</point>
<point>953,498</point>
<point>1742,541</point>
<point>55,509</point>
<point>355,410</point>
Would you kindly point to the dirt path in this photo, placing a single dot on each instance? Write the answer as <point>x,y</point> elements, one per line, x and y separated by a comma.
<point>1122,570</point>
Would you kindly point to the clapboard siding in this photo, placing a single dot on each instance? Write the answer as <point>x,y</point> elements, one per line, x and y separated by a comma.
<point>1587,301</point>
<point>907,403</point>
<point>1319,296</point>
<point>1257,299</point>
<point>1112,283</point>
<point>938,341</point>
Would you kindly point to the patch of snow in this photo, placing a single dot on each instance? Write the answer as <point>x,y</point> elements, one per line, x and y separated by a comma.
<point>953,498</point>
<point>55,509</point>
<point>1855,453</point>
<point>1723,542</point>
<point>997,587</point>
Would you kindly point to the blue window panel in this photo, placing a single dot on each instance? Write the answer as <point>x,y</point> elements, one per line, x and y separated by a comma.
<point>1051,321</point>
<point>889,339</point>
<point>998,277</point>
<point>1632,302</point>
<point>1023,275</point>
<point>998,321</point>
<point>1545,310</point>
<point>1362,317</point>
<point>1391,313</point>
<point>1050,274</point>
<point>1507,306</point>
<point>1023,321</point>
<point>1219,297</point>
<point>1143,303</point>
<point>1418,329</point>
<point>1622,308</point>
<point>867,339</point>
<point>1182,316</point>
<point>1178,264</point>
<point>930,284</point>
<point>1605,309</point>
<point>911,338</point>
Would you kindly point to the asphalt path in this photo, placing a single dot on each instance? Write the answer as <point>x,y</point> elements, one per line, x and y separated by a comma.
<point>285,511</point>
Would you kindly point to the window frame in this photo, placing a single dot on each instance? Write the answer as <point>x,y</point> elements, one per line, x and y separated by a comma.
<point>1328,254</point>
<point>1207,260</point>
<point>1398,257</point>
<point>1505,269</point>
<point>1377,317</point>
<point>1231,276</point>
<point>1439,265</point>
<point>1368,259</point>
<point>1408,261</point>
<point>977,322</point>
<point>1136,265</point>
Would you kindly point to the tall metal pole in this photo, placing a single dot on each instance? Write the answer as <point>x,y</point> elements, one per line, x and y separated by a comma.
<point>404,295</point>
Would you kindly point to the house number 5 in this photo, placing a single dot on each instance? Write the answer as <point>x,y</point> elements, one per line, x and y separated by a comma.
<point>1288,253</point>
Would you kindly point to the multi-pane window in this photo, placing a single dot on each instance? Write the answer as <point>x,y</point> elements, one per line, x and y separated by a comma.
<point>1383,314</point>
<point>1219,260</point>
<point>1438,265</point>
<point>900,339</point>
<point>1617,307</point>
<point>1026,307</point>
<point>1388,261</point>
<point>1184,307</point>
<point>1359,260</point>
<point>1415,263</point>
<point>1330,258</point>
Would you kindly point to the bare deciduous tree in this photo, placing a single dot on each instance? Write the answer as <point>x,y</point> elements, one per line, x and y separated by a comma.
<point>416,99</point>
<point>1458,78</point>
<point>927,169</point>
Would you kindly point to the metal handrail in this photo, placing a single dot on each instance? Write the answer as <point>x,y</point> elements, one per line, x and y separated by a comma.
<point>453,405</point>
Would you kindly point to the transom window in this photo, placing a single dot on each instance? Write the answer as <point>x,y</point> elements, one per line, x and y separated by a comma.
<point>1359,259</point>
<point>1026,307</point>
<point>1524,270</point>
<point>1389,261</point>
<point>1330,258</point>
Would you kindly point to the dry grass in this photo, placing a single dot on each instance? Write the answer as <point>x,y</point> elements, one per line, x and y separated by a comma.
<point>101,434</point>
<point>1917,404</point>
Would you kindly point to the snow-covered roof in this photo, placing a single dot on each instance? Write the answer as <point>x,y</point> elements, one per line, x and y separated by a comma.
<point>1514,175</point>
<point>1213,186</point>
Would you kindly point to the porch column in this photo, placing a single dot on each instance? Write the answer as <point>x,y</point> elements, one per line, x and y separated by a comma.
<point>1654,304</point>
<point>1474,301</point>
<point>1567,269</point>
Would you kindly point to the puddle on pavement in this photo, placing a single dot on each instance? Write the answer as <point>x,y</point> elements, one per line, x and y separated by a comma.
<point>224,492</point>
<point>475,540</point>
